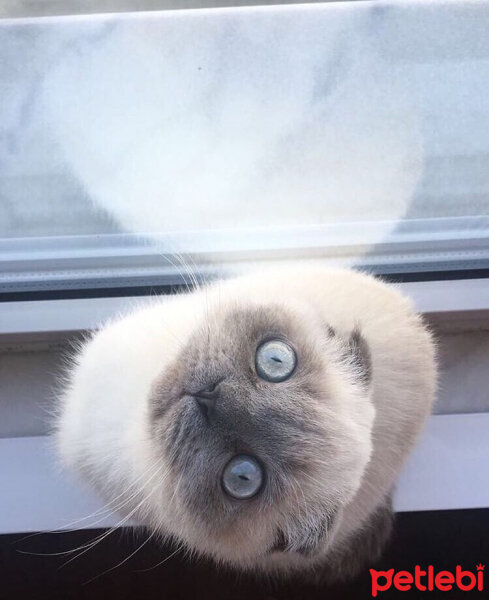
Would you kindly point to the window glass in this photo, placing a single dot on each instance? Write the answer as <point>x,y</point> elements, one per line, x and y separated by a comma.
<point>356,133</point>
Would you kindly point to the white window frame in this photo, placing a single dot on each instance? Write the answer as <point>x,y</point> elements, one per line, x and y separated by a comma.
<point>124,260</point>
<point>437,300</point>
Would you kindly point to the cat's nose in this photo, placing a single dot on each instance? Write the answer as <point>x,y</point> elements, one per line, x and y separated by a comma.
<point>207,399</point>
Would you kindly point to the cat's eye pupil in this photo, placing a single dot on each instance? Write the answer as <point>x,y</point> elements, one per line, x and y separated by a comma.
<point>275,361</point>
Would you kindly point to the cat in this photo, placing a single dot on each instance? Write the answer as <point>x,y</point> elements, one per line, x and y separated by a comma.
<point>260,421</point>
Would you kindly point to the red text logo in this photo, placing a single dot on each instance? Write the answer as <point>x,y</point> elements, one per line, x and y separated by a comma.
<point>427,580</point>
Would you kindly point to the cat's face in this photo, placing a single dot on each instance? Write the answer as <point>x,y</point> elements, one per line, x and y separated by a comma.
<point>260,423</point>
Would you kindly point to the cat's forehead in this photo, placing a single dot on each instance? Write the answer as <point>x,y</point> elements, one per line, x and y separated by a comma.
<point>227,341</point>
<point>240,324</point>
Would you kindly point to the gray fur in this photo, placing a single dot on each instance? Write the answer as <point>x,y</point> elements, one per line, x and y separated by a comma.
<point>248,416</point>
<point>361,549</point>
<point>359,353</point>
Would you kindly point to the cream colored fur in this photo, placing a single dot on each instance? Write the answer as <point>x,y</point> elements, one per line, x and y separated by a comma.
<point>102,430</point>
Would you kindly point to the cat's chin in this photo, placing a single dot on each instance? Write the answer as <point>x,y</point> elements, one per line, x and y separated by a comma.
<point>257,547</point>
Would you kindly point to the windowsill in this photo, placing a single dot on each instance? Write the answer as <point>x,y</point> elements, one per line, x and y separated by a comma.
<point>446,471</point>
<point>54,320</point>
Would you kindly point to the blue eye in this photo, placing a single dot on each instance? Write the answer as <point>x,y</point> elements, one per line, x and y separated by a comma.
<point>275,361</point>
<point>242,477</point>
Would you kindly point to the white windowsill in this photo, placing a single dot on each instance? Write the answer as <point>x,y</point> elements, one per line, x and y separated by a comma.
<point>446,471</point>
<point>58,316</point>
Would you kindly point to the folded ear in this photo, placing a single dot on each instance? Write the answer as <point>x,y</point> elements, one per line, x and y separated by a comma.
<point>356,352</point>
<point>359,355</point>
<point>309,536</point>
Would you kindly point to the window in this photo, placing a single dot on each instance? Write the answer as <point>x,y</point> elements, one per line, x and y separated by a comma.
<point>354,133</point>
<point>136,145</point>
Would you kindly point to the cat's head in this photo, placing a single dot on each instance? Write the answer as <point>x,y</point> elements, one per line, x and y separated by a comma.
<point>262,423</point>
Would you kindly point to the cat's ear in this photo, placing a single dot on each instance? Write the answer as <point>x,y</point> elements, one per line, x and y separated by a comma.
<point>308,536</point>
<point>356,352</point>
<point>330,331</point>
<point>359,357</point>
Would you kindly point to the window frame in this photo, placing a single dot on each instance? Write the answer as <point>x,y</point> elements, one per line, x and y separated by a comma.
<point>20,321</point>
<point>114,261</point>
